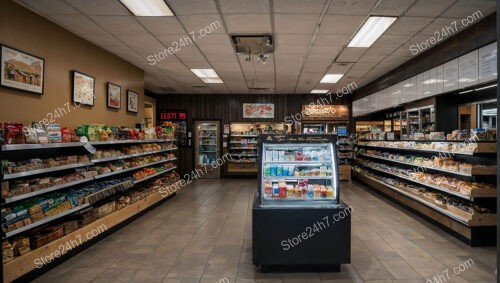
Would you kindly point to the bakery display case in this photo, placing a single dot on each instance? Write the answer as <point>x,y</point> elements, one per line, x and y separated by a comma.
<point>297,185</point>
<point>243,145</point>
<point>207,148</point>
<point>452,183</point>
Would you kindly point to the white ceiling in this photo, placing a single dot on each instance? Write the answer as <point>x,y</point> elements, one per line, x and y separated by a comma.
<point>310,39</point>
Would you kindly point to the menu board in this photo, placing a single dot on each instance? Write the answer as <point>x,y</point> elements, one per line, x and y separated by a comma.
<point>488,63</point>
<point>439,79</point>
<point>468,69</point>
<point>450,70</point>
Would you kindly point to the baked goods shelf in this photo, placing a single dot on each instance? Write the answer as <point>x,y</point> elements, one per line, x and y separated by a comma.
<point>239,142</point>
<point>129,141</point>
<point>154,175</point>
<point>244,155</point>
<point>27,146</point>
<point>45,220</point>
<point>128,156</point>
<point>474,193</point>
<point>26,263</point>
<point>238,148</point>
<point>476,171</point>
<point>45,170</point>
<point>47,190</point>
<point>89,199</point>
<point>131,169</point>
<point>482,148</point>
<point>470,220</point>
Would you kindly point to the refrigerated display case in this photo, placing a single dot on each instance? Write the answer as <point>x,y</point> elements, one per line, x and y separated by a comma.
<point>323,128</point>
<point>207,148</point>
<point>298,186</point>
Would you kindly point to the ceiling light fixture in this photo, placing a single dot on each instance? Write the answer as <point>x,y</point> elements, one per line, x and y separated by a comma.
<point>148,8</point>
<point>371,30</point>
<point>208,76</point>
<point>331,78</point>
<point>319,91</point>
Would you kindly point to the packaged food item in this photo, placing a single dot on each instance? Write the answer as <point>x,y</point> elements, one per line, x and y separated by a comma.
<point>310,191</point>
<point>92,133</point>
<point>66,134</point>
<point>279,170</point>
<point>30,135</point>
<point>299,156</point>
<point>42,135</point>
<point>298,192</point>
<point>330,192</point>
<point>276,190</point>
<point>281,155</point>
<point>54,133</point>
<point>13,133</point>
<point>290,191</point>
<point>268,189</point>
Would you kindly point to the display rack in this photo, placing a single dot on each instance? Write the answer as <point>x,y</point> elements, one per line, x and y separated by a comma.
<point>417,174</point>
<point>345,151</point>
<point>20,265</point>
<point>243,145</point>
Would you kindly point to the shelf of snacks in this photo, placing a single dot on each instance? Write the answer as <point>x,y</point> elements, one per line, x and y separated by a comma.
<point>125,207</point>
<point>459,188</point>
<point>151,174</point>
<point>105,175</point>
<point>451,147</point>
<point>461,211</point>
<point>28,173</point>
<point>440,164</point>
<point>243,144</point>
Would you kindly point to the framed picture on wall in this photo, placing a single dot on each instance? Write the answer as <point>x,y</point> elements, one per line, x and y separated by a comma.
<point>132,101</point>
<point>114,95</point>
<point>258,110</point>
<point>22,71</point>
<point>83,89</point>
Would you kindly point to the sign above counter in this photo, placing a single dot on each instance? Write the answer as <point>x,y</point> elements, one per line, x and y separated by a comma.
<point>325,112</point>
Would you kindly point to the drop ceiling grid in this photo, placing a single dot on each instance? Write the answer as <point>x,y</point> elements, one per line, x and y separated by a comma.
<point>292,22</point>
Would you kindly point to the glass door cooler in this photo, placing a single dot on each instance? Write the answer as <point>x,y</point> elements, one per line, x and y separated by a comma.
<point>298,194</point>
<point>207,148</point>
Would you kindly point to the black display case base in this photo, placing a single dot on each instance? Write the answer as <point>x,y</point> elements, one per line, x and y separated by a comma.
<point>310,237</point>
<point>303,268</point>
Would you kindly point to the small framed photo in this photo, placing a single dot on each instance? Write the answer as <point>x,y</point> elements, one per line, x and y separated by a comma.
<point>132,101</point>
<point>83,89</point>
<point>114,95</point>
<point>21,71</point>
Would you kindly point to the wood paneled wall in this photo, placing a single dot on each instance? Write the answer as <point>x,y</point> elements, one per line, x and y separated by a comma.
<point>228,108</point>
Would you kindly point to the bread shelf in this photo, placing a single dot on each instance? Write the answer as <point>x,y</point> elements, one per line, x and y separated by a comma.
<point>129,141</point>
<point>45,170</point>
<point>474,193</point>
<point>476,171</point>
<point>154,175</point>
<point>47,190</point>
<point>128,156</point>
<point>13,147</point>
<point>45,220</point>
<point>482,148</point>
<point>132,168</point>
<point>26,263</point>
<point>297,178</point>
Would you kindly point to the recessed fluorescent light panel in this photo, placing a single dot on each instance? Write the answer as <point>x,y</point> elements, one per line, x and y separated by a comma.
<point>208,76</point>
<point>371,30</point>
<point>331,78</point>
<point>319,91</point>
<point>148,8</point>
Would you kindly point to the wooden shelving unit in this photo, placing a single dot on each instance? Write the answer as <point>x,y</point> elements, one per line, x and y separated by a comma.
<point>26,263</point>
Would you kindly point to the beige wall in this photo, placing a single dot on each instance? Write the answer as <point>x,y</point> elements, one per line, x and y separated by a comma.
<point>64,51</point>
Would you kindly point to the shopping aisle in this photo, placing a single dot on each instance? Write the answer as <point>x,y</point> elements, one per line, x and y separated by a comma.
<point>204,235</point>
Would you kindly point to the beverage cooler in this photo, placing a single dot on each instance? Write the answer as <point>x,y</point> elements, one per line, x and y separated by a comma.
<point>207,148</point>
<point>298,218</point>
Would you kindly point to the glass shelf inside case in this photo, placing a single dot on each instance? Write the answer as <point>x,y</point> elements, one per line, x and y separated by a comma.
<point>299,174</point>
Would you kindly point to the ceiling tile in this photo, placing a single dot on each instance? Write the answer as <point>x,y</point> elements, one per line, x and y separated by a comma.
<point>332,40</point>
<point>145,44</point>
<point>215,44</point>
<point>192,7</point>
<point>367,58</point>
<point>116,24</point>
<point>78,24</point>
<point>99,7</point>
<point>340,68</point>
<point>333,51</point>
<point>193,61</point>
<point>437,25</point>
<point>244,6</point>
<point>316,67</point>
<point>295,23</point>
<point>209,23</point>
<point>392,7</point>
<point>161,25</point>
<point>292,39</point>
<point>340,25</point>
<point>359,69</point>
<point>350,54</point>
<point>408,26</point>
<point>352,7</point>
<point>392,41</point>
<point>291,50</point>
<point>248,23</point>
<point>103,40</point>
<point>464,8</point>
<point>428,8</point>
<point>298,6</point>
<point>50,7</point>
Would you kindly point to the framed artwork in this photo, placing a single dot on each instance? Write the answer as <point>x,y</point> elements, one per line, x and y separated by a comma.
<point>22,71</point>
<point>114,95</point>
<point>258,110</point>
<point>132,101</point>
<point>83,89</point>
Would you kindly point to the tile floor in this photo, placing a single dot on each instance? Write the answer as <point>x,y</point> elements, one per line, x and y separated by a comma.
<point>204,235</point>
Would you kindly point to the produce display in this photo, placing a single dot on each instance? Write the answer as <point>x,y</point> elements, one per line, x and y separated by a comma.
<point>445,182</point>
<point>441,200</point>
<point>446,163</point>
<point>303,190</point>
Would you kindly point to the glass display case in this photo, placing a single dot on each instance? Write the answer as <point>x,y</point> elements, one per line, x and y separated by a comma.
<point>299,174</point>
<point>298,184</point>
